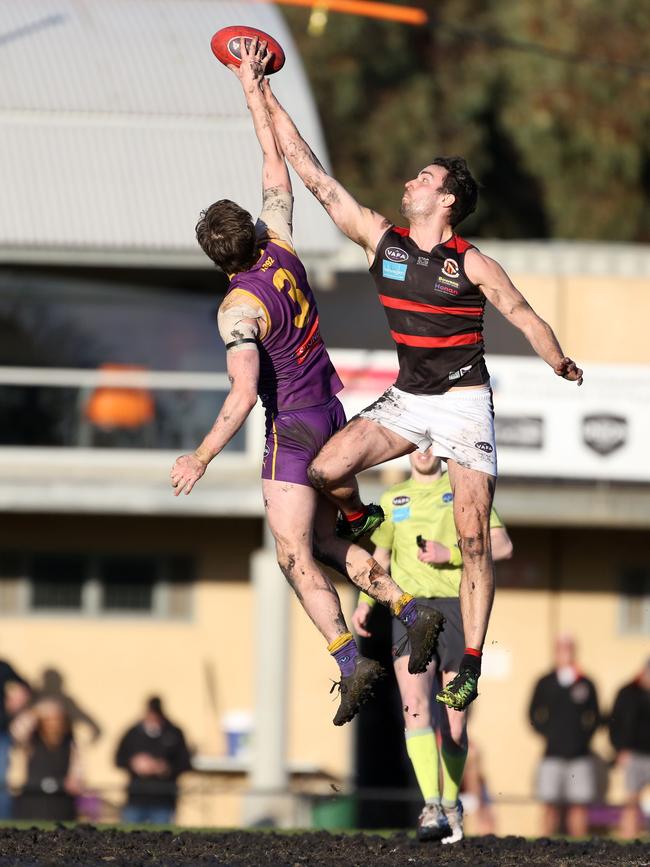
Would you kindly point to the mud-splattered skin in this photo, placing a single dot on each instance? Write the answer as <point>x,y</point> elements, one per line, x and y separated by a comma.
<point>360,444</point>
<point>353,562</point>
<point>297,578</point>
<point>291,526</point>
<point>472,505</point>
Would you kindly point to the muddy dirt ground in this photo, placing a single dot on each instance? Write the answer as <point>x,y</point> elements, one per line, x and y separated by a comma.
<point>85,846</point>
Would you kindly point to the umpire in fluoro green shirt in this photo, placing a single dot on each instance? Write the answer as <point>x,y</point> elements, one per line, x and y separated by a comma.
<point>417,543</point>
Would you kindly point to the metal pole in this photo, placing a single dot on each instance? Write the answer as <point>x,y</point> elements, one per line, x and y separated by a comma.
<point>267,801</point>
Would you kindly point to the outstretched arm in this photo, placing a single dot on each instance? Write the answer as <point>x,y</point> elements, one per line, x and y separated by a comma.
<point>363,225</point>
<point>275,175</point>
<point>497,287</point>
<point>240,325</point>
<point>276,218</point>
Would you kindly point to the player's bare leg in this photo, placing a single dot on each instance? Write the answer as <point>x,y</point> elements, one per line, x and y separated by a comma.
<point>350,559</point>
<point>291,513</point>
<point>423,624</point>
<point>359,445</point>
<point>473,493</point>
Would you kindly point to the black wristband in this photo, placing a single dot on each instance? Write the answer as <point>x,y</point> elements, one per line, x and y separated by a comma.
<point>240,341</point>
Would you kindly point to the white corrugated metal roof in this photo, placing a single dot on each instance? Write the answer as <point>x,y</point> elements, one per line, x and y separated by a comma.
<point>117,126</point>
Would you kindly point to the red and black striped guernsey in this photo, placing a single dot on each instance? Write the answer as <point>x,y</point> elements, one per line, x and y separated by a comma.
<point>434,312</point>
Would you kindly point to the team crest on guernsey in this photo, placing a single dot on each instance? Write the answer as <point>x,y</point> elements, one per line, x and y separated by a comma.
<point>450,267</point>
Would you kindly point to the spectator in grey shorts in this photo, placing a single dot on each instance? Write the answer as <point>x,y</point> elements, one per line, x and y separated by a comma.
<point>629,730</point>
<point>564,710</point>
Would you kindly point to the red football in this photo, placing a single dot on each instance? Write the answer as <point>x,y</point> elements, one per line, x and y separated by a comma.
<point>226,46</point>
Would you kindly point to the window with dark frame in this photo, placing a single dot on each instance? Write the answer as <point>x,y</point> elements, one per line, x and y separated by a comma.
<point>635,602</point>
<point>57,582</point>
<point>157,586</point>
<point>127,583</point>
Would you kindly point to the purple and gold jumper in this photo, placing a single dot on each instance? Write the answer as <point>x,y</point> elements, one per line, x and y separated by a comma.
<point>298,383</point>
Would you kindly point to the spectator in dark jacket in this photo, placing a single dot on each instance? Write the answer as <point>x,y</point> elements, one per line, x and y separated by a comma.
<point>155,754</point>
<point>629,730</point>
<point>564,710</point>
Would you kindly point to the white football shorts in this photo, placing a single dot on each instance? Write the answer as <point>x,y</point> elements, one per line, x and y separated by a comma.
<point>457,425</point>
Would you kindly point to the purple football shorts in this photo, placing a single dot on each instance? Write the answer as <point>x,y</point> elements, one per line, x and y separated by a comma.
<point>294,438</point>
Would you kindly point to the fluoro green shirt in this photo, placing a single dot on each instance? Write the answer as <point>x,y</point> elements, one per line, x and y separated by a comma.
<point>415,509</point>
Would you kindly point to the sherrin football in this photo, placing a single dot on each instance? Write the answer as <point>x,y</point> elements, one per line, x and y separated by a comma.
<point>226,46</point>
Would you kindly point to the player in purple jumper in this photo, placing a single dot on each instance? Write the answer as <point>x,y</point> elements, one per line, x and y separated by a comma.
<point>269,324</point>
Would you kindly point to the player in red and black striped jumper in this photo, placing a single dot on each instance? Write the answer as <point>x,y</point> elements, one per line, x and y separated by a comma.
<point>433,285</point>
<point>269,323</point>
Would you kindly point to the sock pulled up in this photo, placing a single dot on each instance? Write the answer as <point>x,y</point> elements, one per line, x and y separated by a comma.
<point>345,652</point>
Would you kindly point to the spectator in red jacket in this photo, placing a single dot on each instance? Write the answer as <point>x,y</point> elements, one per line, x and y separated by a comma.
<point>629,730</point>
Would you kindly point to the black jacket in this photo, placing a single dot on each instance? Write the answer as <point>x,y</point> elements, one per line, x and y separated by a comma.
<point>566,716</point>
<point>629,724</point>
<point>168,745</point>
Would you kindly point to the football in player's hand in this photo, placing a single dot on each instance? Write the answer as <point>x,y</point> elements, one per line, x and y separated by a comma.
<point>226,46</point>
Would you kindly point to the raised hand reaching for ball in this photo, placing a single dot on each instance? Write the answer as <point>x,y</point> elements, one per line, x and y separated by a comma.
<point>255,57</point>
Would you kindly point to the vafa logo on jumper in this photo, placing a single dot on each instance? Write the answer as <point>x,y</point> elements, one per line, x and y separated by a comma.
<point>450,267</point>
<point>396,254</point>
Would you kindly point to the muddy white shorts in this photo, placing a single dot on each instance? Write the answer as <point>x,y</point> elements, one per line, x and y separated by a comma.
<point>458,424</point>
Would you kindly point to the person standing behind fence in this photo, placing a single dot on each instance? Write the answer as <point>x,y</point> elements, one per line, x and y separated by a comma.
<point>417,542</point>
<point>629,730</point>
<point>14,696</point>
<point>155,754</point>
<point>564,710</point>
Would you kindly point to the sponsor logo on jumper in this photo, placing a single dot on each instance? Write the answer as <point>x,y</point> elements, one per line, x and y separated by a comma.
<point>450,266</point>
<point>401,501</point>
<point>604,433</point>
<point>401,513</point>
<point>267,263</point>
<point>305,348</point>
<point>396,254</point>
<point>445,290</point>
<point>448,497</point>
<point>394,270</point>
<point>484,447</point>
<point>456,374</point>
<point>519,432</point>
<point>422,260</point>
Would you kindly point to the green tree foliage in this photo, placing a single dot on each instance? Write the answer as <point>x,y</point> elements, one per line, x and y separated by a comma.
<point>549,102</point>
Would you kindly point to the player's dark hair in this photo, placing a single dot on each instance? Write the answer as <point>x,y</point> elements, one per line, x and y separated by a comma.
<point>226,234</point>
<point>460,183</point>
